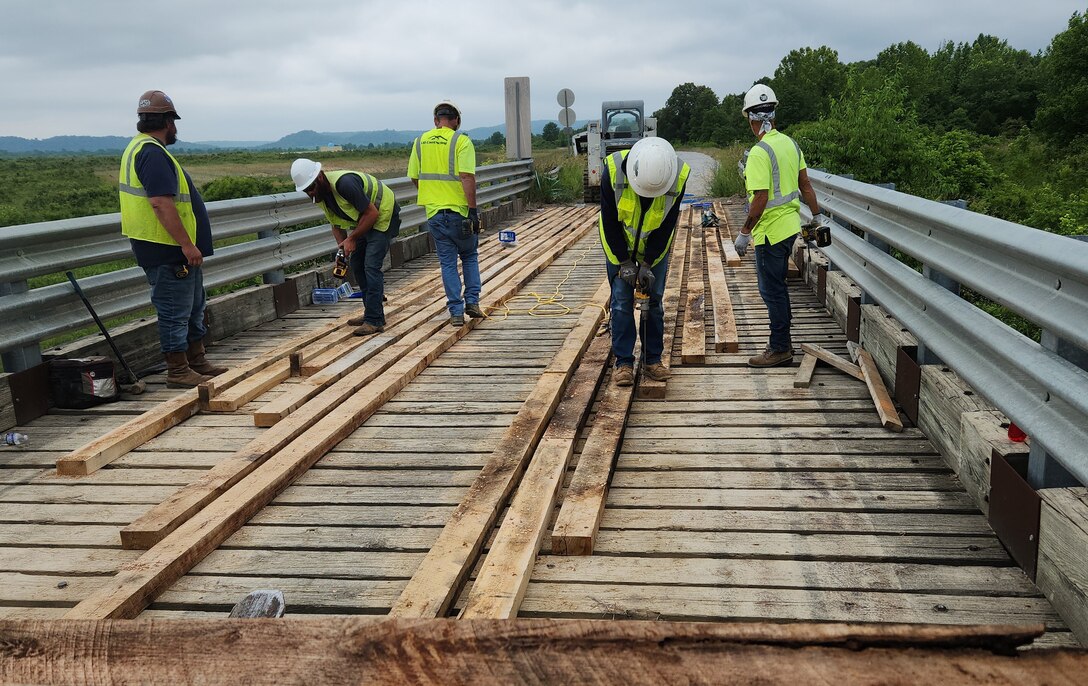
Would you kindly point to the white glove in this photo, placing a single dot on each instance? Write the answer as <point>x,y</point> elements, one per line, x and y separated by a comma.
<point>820,219</point>
<point>742,243</point>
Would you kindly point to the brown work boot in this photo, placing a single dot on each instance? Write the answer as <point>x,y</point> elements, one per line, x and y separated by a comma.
<point>623,376</point>
<point>357,321</point>
<point>457,320</point>
<point>657,372</point>
<point>473,310</point>
<point>198,362</point>
<point>771,358</point>
<point>179,374</point>
<point>367,328</point>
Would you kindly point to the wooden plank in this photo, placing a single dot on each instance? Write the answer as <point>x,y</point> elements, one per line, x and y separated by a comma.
<point>431,590</point>
<point>824,355</point>
<point>805,371</point>
<point>523,651</point>
<point>137,584</point>
<point>889,416</point>
<point>153,526</point>
<point>241,393</point>
<point>693,342</point>
<point>504,575</point>
<point>670,303</point>
<point>583,503</point>
<point>725,324</point>
<point>1063,538</point>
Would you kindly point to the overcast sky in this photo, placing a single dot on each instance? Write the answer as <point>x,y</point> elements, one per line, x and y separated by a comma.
<point>261,69</point>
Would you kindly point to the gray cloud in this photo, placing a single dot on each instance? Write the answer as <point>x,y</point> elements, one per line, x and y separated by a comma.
<point>259,69</point>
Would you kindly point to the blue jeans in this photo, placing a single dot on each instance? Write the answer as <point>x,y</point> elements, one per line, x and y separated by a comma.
<point>366,265</point>
<point>771,264</point>
<point>623,317</point>
<point>445,228</point>
<point>179,304</point>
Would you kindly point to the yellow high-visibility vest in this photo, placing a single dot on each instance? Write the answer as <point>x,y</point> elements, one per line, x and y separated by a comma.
<point>380,195</point>
<point>434,158</point>
<point>629,208</point>
<point>138,219</point>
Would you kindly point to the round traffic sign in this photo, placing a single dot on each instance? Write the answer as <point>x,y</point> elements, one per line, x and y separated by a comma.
<point>565,98</point>
<point>566,116</point>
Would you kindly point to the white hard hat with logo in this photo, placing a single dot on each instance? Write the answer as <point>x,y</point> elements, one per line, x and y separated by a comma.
<point>304,172</point>
<point>651,167</point>
<point>759,94</point>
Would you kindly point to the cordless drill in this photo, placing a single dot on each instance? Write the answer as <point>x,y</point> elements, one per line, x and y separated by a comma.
<point>340,268</point>
<point>820,234</point>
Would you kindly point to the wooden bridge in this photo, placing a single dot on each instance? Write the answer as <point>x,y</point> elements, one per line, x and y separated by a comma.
<point>494,471</point>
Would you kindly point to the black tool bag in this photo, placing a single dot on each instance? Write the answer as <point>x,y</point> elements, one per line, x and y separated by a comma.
<point>82,382</point>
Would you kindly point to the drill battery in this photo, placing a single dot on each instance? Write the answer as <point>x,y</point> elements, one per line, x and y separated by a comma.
<point>821,235</point>
<point>340,266</point>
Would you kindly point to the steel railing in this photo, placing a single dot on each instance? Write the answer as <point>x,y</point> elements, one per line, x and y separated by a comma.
<point>31,250</point>
<point>1041,276</point>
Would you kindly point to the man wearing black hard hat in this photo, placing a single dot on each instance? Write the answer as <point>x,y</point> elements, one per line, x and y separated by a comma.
<point>167,224</point>
<point>443,166</point>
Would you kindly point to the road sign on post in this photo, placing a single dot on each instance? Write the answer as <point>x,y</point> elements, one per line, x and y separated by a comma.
<point>519,136</point>
<point>566,117</point>
<point>565,98</point>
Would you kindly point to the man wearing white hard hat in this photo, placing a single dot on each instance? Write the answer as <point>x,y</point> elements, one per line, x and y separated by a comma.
<point>364,217</point>
<point>442,165</point>
<point>641,190</point>
<point>776,178</point>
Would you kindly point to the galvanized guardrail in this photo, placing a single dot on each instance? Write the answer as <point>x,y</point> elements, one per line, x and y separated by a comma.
<point>30,250</point>
<point>1040,276</point>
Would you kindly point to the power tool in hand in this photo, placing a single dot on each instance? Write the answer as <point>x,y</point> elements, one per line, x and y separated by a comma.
<point>340,267</point>
<point>818,233</point>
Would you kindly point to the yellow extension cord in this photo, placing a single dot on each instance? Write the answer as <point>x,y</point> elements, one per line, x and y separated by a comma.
<point>545,305</point>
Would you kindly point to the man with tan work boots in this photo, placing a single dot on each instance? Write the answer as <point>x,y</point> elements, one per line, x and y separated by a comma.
<point>442,166</point>
<point>167,224</point>
<point>775,176</point>
<point>364,217</point>
<point>641,190</point>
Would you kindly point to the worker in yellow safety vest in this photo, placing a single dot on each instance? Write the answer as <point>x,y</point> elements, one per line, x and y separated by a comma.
<point>442,165</point>
<point>641,190</point>
<point>168,228</point>
<point>776,178</point>
<point>364,217</point>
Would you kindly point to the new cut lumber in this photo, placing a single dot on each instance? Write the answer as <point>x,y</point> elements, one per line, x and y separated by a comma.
<point>141,429</point>
<point>889,416</point>
<point>352,650</point>
<point>732,258</point>
<point>580,516</point>
<point>805,372</point>
<point>434,586</point>
<point>670,303</point>
<point>159,521</point>
<point>840,363</point>
<point>725,324</point>
<point>501,582</point>
<point>693,344</point>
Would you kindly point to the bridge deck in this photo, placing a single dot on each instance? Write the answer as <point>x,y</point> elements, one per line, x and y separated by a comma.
<point>736,497</point>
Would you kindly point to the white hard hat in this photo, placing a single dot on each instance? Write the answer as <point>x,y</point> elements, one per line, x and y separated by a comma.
<point>651,167</point>
<point>447,103</point>
<point>304,172</point>
<point>759,94</point>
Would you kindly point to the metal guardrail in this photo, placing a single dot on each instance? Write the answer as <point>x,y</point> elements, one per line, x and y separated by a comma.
<point>1040,276</point>
<point>30,250</point>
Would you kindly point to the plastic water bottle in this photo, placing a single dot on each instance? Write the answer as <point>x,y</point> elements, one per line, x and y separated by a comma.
<point>15,438</point>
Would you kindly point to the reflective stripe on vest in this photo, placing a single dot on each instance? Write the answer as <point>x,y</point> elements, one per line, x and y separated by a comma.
<point>379,194</point>
<point>452,175</point>
<point>654,216</point>
<point>777,199</point>
<point>138,218</point>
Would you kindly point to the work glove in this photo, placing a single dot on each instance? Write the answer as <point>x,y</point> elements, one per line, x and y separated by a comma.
<point>629,273</point>
<point>474,219</point>
<point>742,243</point>
<point>645,279</point>
<point>819,219</point>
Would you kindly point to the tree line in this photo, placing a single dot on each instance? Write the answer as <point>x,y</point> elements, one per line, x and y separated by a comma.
<point>1002,128</point>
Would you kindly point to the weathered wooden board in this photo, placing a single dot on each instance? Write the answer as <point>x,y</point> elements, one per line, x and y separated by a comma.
<point>1063,537</point>
<point>693,339</point>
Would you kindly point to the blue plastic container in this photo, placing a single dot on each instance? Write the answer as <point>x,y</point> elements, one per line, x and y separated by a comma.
<point>323,296</point>
<point>345,290</point>
<point>508,238</point>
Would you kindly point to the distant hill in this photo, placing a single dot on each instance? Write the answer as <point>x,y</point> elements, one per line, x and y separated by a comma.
<point>300,140</point>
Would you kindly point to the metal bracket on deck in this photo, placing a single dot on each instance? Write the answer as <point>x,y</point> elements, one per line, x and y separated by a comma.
<point>908,381</point>
<point>30,392</point>
<point>1014,509</point>
<point>285,297</point>
<point>853,319</point>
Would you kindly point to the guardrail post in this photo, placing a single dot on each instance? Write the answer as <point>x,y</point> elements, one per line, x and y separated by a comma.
<point>23,357</point>
<point>925,355</point>
<point>1043,470</point>
<point>275,276</point>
